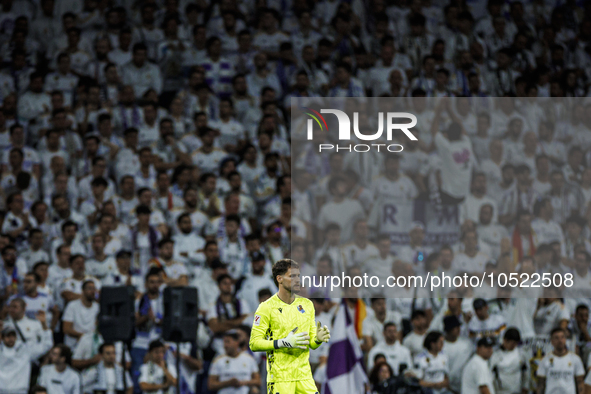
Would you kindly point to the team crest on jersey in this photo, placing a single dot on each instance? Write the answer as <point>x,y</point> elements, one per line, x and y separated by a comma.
<point>301,309</point>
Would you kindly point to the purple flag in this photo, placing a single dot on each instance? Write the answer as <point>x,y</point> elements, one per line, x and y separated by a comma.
<point>344,369</point>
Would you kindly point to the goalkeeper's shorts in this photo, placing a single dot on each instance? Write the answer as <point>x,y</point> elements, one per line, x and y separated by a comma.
<point>298,387</point>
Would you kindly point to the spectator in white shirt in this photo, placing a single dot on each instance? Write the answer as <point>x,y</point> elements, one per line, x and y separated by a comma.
<point>550,313</point>
<point>107,375</point>
<point>415,338</point>
<point>262,77</point>
<point>120,37</point>
<point>28,329</point>
<point>80,315</point>
<point>38,301</point>
<point>269,37</point>
<point>471,259</point>
<point>101,264</point>
<point>397,355</point>
<point>510,366</point>
<point>477,377</point>
<point>35,101</point>
<point>389,61</point>
<point>16,358</point>
<point>47,25</point>
<point>484,324</point>
<point>341,210</point>
<point>345,85</point>
<point>231,132</point>
<point>377,318</point>
<point>250,285</point>
<point>60,270</point>
<point>562,196</point>
<point>122,275</point>
<point>31,162</point>
<point>71,287</point>
<point>458,350</point>
<point>35,253</point>
<point>58,376</point>
<point>470,208</point>
<point>78,50</point>
<point>416,252</point>
<point>490,233</point>
<point>140,73</point>
<point>431,366</point>
<point>174,272</point>
<point>63,79</point>
<point>561,371</point>
<point>520,196</point>
<point>546,229</point>
<point>455,151</point>
<point>188,244</point>
<point>156,377</point>
<point>194,54</point>
<point>16,222</point>
<point>149,131</point>
<point>87,353</point>
<point>236,372</point>
<point>360,249</point>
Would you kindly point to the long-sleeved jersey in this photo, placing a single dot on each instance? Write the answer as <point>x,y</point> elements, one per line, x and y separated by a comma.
<point>273,320</point>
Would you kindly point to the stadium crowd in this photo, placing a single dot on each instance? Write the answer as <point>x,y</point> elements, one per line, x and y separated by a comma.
<point>149,143</point>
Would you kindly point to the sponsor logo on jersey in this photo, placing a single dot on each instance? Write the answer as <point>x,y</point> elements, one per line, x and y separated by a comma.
<point>257,320</point>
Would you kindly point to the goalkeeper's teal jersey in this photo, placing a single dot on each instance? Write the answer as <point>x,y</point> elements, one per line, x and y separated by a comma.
<point>273,320</point>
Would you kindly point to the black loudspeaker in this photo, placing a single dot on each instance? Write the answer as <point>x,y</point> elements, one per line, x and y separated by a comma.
<point>117,314</point>
<point>181,314</point>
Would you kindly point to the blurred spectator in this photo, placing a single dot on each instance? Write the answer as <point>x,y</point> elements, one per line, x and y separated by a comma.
<point>16,358</point>
<point>58,376</point>
<point>155,374</point>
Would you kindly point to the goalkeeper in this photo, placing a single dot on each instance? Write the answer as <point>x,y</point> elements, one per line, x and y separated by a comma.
<point>284,327</point>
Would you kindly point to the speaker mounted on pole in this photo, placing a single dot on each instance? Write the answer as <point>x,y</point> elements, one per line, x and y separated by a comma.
<point>117,313</point>
<point>181,314</point>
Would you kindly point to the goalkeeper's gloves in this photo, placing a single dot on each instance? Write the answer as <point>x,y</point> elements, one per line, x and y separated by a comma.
<point>293,340</point>
<point>322,334</point>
